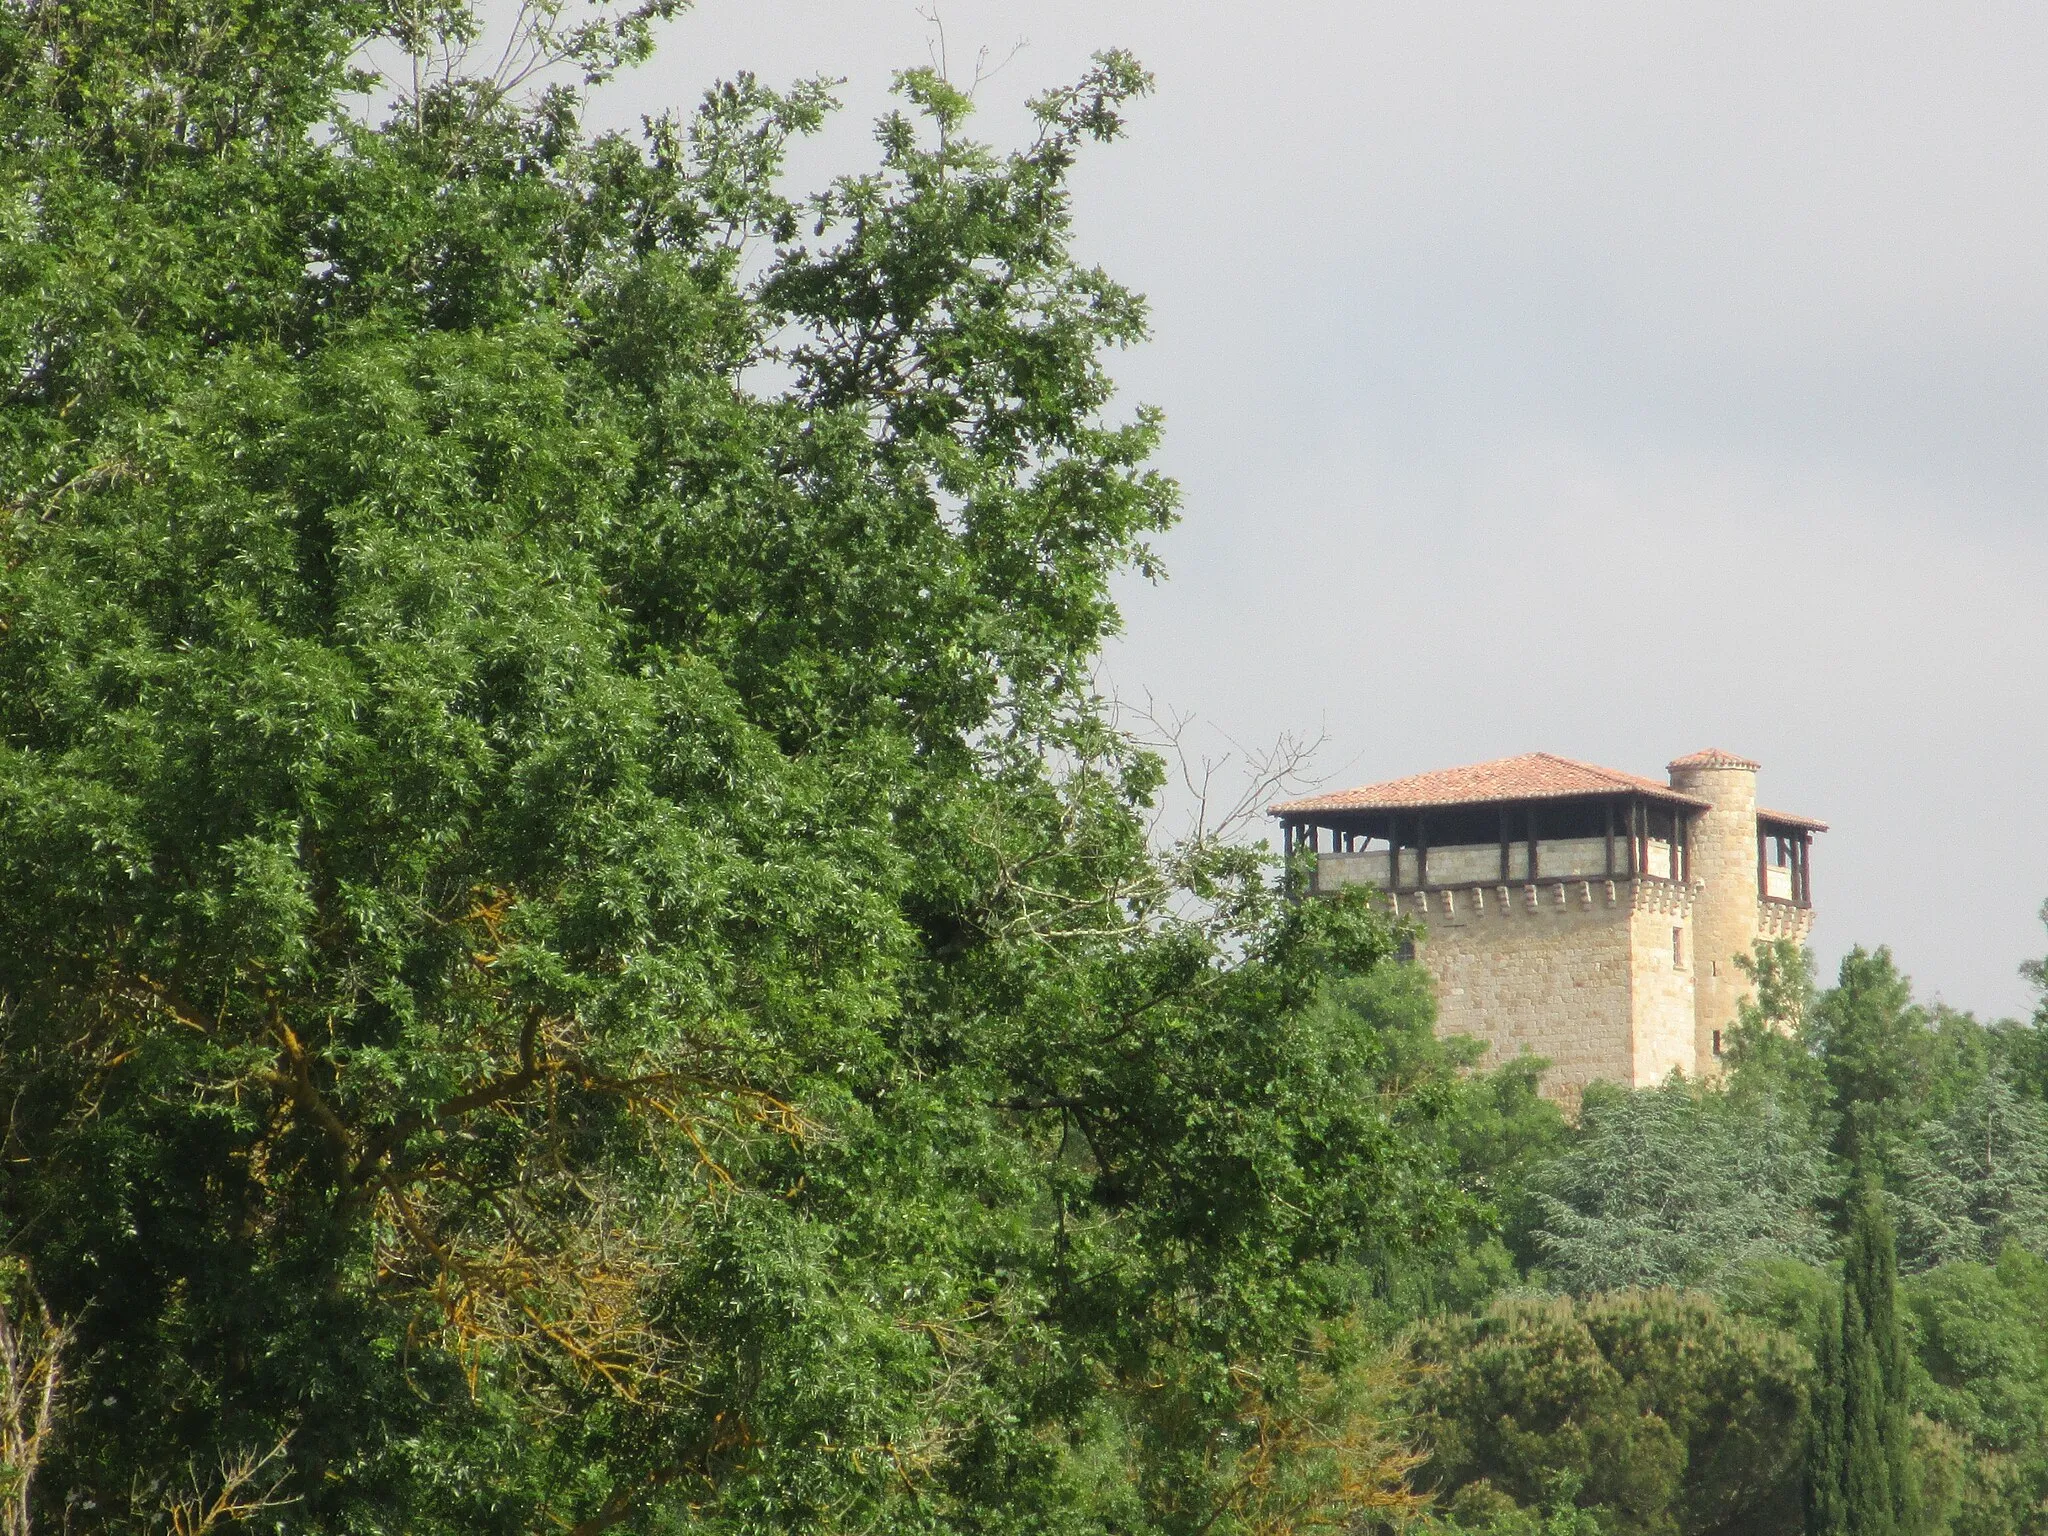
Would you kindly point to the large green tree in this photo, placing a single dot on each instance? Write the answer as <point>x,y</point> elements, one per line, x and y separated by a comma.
<point>1491,1131</point>
<point>1976,1178</point>
<point>1666,1413</point>
<point>575,950</point>
<point>1980,1335</point>
<point>1876,1051</point>
<point>1678,1185</point>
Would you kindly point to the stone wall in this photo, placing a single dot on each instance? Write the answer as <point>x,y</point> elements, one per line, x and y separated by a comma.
<point>1662,983</point>
<point>1565,970</point>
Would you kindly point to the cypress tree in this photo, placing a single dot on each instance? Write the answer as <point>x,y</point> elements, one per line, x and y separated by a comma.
<point>1860,1478</point>
<point>1826,1508</point>
<point>1871,1266</point>
<point>1866,1468</point>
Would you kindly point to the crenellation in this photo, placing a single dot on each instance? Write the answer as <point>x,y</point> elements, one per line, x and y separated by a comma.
<point>1783,920</point>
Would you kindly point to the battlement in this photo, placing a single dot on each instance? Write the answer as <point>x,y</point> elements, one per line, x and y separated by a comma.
<point>1784,920</point>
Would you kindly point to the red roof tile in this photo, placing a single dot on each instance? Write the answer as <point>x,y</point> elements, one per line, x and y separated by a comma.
<point>1712,757</point>
<point>1532,776</point>
<point>1789,819</point>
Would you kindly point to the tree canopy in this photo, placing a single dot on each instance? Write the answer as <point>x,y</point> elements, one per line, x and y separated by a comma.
<point>575,945</point>
<point>1678,1185</point>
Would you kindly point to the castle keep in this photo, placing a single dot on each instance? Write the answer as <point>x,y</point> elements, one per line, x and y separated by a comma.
<point>1575,912</point>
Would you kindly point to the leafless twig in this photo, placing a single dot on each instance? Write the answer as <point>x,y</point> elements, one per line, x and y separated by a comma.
<point>1220,797</point>
<point>935,48</point>
<point>32,1345</point>
<point>247,1485</point>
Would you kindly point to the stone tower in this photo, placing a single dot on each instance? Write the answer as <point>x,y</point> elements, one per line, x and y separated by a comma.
<point>1725,861</point>
<point>1574,912</point>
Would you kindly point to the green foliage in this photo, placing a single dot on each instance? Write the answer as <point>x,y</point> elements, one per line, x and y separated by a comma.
<point>1981,1349</point>
<point>1975,1179</point>
<point>1490,1130</point>
<point>1670,1414</point>
<point>1771,1050</point>
<point>2022,1050</point>
<point>1876,1051</point>
<point>2036,972</point>
<point>1826,1471</point>
<point>1784,1293</point>
<point>1860,1476</point>
<point>1994,1495</point>
<point>1936,1412</point>
<point>1678,1185</point>
<point>1483,1510</point>
<point>574,949</point>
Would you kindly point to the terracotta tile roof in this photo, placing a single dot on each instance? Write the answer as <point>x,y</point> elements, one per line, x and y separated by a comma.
<point>1787,818</point>
<point>1532,776</point>
<point>1712,757</point>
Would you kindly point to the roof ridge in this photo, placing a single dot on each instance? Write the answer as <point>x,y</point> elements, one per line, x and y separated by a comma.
<point>1580,762</point>
<point>1535,775</point>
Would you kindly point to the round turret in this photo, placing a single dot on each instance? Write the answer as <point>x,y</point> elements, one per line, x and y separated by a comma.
<point>1724,869</point>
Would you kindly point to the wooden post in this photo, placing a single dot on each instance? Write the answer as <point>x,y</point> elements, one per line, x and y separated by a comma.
<point>1504,845</point>
<point>1532,845</point>
<point>1421,850</point>
<point>1763,868</point>
<point>1610,838</point>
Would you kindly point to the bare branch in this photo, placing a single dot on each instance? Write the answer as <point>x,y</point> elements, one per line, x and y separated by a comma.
<point>32,1346</point>
<point>936,51</point>
<point>246,1486</point>
<point>1222,795</point>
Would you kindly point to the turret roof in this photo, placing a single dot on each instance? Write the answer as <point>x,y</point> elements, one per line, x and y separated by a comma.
<point>1712,757</point>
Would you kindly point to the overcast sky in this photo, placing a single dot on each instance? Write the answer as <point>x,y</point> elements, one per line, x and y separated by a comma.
<point>1609,380</point>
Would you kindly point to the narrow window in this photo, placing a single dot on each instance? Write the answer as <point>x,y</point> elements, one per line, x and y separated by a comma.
<point>1678,947</point>
<point>1405,953</point>
<point>1717,1042</point>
